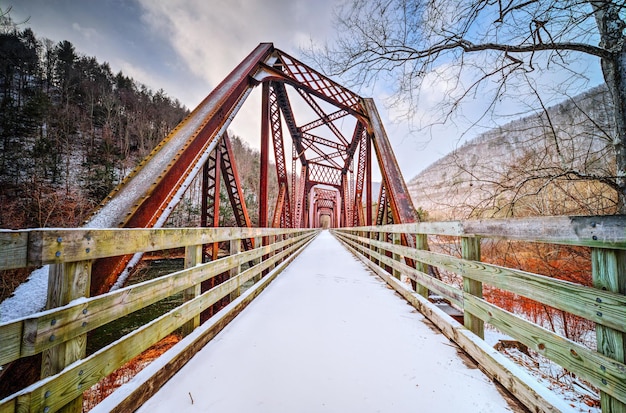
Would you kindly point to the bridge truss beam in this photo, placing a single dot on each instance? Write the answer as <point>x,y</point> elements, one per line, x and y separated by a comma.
<point>321,153</point>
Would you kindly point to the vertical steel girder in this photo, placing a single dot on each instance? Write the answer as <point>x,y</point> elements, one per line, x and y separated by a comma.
<point>211,195</point>
<point>264,161</point>
<point>301,197</point>
<point>381,212</point>
<point>398,193</point>
<point>234,189</point>
<point>357,218</point>
<point>279,158</point>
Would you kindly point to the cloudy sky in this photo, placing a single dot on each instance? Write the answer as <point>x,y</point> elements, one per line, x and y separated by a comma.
<point>186,47</point>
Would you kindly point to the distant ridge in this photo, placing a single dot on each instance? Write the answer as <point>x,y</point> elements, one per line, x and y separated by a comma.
<point>488,171</point>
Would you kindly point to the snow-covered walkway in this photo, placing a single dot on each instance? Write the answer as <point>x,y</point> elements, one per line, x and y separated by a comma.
<point>328,336</point>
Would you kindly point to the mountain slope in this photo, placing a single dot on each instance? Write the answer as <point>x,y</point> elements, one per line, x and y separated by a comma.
<point>549,163</point>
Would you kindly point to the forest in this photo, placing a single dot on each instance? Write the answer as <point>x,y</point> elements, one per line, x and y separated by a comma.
<point>70,129</point>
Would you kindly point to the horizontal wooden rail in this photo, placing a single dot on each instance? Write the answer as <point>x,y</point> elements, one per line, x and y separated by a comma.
<point>595,231</point>
<point>602,307</point>
<point>46,331</point>
<point>26,248</point>
<point>604,304</point>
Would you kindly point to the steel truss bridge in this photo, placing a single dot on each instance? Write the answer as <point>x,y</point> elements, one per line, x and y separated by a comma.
<point>333,136</point>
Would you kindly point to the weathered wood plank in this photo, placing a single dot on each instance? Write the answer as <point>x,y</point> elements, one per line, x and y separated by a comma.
<point>69,321</point>
<point>470,250</point>
<point>67,282</point>
<point>65,386</point>
<point>603,307</point>
<point>84,316</point>
<point>609,273</point>
<point>592,231</point>
<point>603,372</point>
<point>421,243</point>
<point>11,338</point>
<point>235,248</point>
<point>193,257</point>
<point>13,249</point>
<point>65,245</point>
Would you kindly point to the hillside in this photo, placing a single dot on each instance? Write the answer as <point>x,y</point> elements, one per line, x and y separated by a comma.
<point>545,164</point>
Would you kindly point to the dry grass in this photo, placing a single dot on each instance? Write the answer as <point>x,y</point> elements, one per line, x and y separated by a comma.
<point>109,384</point>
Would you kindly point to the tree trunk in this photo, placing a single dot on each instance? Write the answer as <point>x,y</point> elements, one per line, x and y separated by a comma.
<point>611,27</point>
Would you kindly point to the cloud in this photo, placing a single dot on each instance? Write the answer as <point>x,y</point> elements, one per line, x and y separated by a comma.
<point>212,38</point>
<point>87,32</point>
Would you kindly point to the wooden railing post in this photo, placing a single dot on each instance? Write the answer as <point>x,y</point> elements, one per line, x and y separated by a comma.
<point>193,257</point>
<point>397,240</point>
<point>235,248</point>
<point>273,241</point>
<point>470,250</point>
<point>66,282</point>
<point>609,273</point>
<point>421,243</point>
<point>382,237</point>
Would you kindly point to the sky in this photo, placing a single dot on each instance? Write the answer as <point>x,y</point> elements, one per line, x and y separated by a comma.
<point>186,47</point>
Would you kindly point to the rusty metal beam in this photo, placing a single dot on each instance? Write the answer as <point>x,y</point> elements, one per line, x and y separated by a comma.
<point>172,165</point>
<point>322,121</point>
<point>322,115</point>
<point>279,156</point>
<point>265,148</point>
<point>282,99</point>
<point>234,188</point>
<point>360,180</point>
<point>397,191</point>
<point>309,138</point>
<point>280,204</point>
<point>300,197</point>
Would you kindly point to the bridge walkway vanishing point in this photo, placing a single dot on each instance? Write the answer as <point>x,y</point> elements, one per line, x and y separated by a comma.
<point>328,336</point>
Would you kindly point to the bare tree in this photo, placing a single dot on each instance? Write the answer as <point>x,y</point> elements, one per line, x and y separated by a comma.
<point>476,46</point>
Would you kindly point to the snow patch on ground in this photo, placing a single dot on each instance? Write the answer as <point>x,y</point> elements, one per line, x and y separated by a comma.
<point>28,298</point>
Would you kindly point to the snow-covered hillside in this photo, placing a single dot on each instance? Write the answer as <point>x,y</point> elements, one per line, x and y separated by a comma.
<point>570,137</point>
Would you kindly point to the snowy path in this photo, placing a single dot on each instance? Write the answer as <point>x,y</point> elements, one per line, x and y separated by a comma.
<point>328,336</point>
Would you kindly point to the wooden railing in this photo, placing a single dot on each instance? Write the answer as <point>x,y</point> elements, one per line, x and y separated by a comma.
<point>60,333</point>
<point>604,303</point>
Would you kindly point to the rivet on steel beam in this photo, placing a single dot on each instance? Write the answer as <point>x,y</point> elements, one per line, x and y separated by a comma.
<point>46,409</point>
<point>84,311</point>
<point>595,237</point>
<point>53,321</point>
<point>599,314</point>
<point>58,253</point>
<point>52,337</point>
<point>87,250</point>
<point>47,394</point>
<point>59,240</point>
<point>598,300</point>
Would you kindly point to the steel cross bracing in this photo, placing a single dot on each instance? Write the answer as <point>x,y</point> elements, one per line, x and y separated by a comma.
<point>283,206</point>
<point>327,124</point>
<point>234,189</point>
